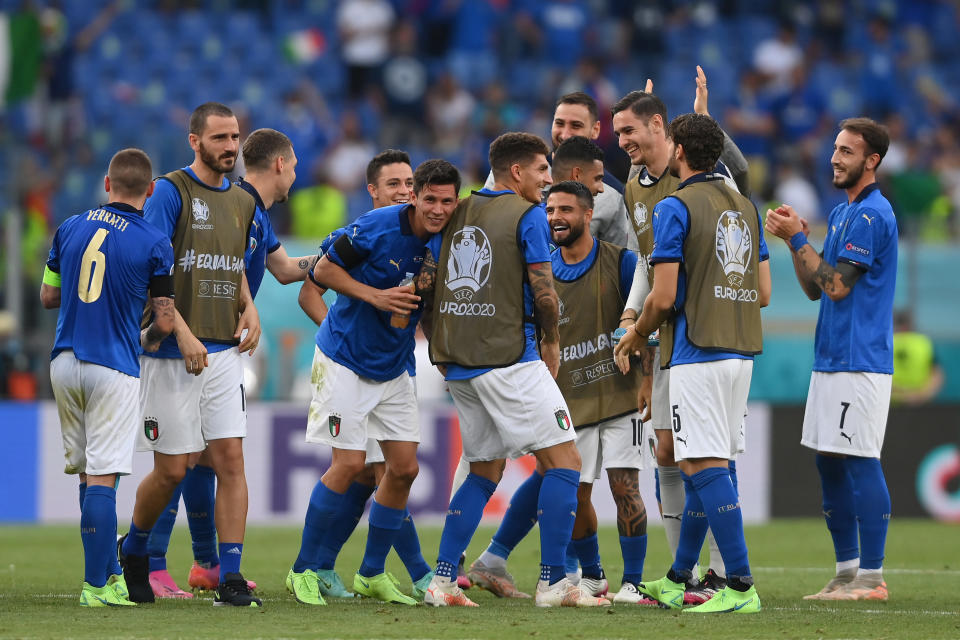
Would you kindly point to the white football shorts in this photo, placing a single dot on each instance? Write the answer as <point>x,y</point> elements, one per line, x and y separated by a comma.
<point>847,412</point>
<point>181,411</point>
<point>99,412</point>
<point>620,443</point>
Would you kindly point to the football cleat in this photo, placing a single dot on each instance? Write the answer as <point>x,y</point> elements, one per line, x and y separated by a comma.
<point>105,596</point>
<point>208,578</point>
<point>442,592</point>
<point>234,591</point>
<point>860,589</point>
<point>119,585</point>
<point>497,581</point>
<point>420,586</point>
<point>381,587</point>
<point>566,594</point>
<point>164,587</point>
<point>331,585</point>
<point>595,586</point>
<point>462,580</point>
<point>728,600</point>
<point>136,574</point>
<point>835,583</point>
<point>629,594</point>
<point>304,587</point>
<point>665,591</point>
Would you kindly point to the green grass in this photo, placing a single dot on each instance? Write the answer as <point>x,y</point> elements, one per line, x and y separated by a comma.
<point>41,570</point>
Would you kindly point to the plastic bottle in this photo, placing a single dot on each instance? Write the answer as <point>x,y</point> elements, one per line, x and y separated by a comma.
<point>401,320</point>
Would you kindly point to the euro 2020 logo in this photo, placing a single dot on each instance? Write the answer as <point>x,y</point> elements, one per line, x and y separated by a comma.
<point>468,266</point>
<point>734,244</point>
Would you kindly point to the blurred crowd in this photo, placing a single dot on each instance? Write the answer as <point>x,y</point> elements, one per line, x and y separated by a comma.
<point>347,78</point>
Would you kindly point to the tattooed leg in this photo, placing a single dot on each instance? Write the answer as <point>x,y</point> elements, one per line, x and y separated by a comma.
<point>631,512</point>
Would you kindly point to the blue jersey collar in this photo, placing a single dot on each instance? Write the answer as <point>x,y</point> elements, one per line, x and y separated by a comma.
<point>124,207</point>
<point>867,190</point>
<point>224,185</point>
<point>249,188</point>
<point>404,216</point>
<point>699,177</point>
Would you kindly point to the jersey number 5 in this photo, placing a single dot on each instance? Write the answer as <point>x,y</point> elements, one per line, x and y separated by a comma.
<point>92,268</point>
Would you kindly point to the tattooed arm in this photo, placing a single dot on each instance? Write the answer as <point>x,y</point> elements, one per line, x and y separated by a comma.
<point>547,308</point>
<point>164,317</point>
<point>287,269</point>
<point>425,287</point>
<point>813,272</point>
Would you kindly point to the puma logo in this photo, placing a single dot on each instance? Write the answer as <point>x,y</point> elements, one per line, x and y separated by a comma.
<point>849,438</point>
<point>396,263</point>
<point>868,218</point>
<point>683,440</point>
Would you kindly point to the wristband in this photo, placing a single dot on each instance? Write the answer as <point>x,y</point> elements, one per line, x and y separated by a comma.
<point>51,277</point>
<point>798,240</point>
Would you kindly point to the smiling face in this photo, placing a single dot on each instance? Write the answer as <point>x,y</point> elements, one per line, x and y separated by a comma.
<point>568,219</point>
<point>572,120</point>
<point>219,143</point>
<point>394,185</point>
<point>532,178</point>
<point>850,159</point>
<point>634,135</point>
<point>433,207</point>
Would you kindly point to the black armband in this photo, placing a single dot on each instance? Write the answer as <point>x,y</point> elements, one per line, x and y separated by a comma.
<point>161,286</point>
<point>348,255</point>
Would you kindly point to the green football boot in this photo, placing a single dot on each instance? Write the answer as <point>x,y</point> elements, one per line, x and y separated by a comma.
<point>728,600</point>
<point>304,587</point>
<point>382,587</point>
<point>665,591</point>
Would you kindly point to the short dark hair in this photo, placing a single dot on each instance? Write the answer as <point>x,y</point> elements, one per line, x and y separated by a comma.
<point>578,189</point>
<point>874,134</point>
<point>575,151</point>
<point>435,172</point>
<point>198,119</point>
<point>130,172</point>
<point>579,97</point>
<point>701,137</point>
<point>263,146</point>
<point>515,148</point>
<point>642,104</point>
<point>382,159</point>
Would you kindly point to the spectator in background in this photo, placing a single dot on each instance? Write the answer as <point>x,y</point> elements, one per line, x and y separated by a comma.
<point>793,186</point>
<point>404,85</point>
<point>917,376</point>
<point>449,109</point>
<point>364,27</point>
<point>318,209</point>
<point>752,125</point>
<point>777,57</point>
<point>346,161</point>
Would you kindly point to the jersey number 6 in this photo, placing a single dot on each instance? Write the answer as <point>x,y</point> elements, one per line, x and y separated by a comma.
<point>91,284</point>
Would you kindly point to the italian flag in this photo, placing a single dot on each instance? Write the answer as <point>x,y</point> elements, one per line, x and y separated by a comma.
<point>21,55</point>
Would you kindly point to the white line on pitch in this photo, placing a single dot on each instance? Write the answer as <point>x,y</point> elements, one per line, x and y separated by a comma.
<point>941,572</point>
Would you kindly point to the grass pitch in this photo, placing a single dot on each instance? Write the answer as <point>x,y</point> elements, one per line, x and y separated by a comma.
<point>41,572</point>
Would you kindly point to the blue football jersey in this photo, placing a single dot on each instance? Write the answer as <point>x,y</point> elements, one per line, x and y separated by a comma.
<point>262,241</point>
<point>856,333</point>
<point>106,258</point>
<point>356,334</point>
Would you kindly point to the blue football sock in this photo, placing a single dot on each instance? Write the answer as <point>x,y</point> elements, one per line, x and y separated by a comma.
<point>230,555</point>
<point>519,518</point>
<point>342,527</point>
<point>407,545</point>
<point>83,492</point>
<point>573,560</point>
<point>324,507</point>
<point>98,524</point>
<point>839,508</point>
<point>732,466</point>
<point>873,508</point>
<point>135,544</point>
<point>556,511</point>
<point>656,484</point>
<point>634,550</point>
<point>463,516</point>
<point>722,507</point>
<point>588,551</point>
<point>199,499</point>
<point>384,526</point>
<point>693,530</point>
<point>159,538</point>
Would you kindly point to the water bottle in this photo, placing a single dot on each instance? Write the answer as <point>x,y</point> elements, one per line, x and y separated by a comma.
<point>401,320</point>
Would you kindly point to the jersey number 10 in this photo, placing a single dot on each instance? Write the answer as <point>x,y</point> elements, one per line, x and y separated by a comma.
<point>92,268</point>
